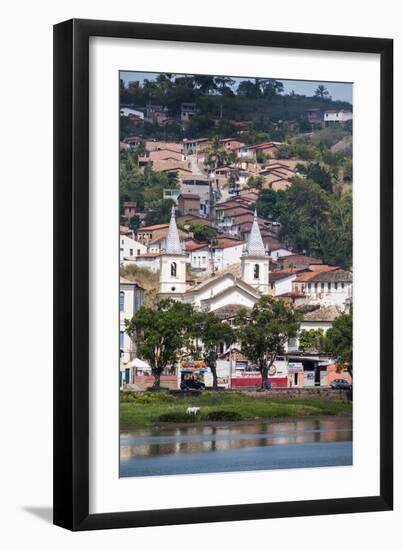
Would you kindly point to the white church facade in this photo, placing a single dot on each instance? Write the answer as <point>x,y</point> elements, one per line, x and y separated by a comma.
<point>218,290</point>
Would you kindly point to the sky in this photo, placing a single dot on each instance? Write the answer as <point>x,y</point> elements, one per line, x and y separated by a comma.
<point>338,90</point>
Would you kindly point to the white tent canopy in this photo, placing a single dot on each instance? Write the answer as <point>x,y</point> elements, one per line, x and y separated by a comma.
<point>139,364</point>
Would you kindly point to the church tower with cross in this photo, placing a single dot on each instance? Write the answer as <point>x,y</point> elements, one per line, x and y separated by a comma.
<point>255,261</point>
<point>172,262</point>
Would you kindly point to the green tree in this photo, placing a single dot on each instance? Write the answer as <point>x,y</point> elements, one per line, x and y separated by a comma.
<point>249,89</point>
<point>162,334</point>
<point>317,173</point>
<point>261,157</point>
<point>160,212</point>
<point>270,204</point>
<point>304,216</point>
<point>265,330</point>
<point>322,92</point>
<point>216,155</point>
<point>312,339</point>
<point>212,332</point>
<point>202,233</point>
<point>272,87</point>
<point>224,85</point>
<point>134,222</point>
<point>255,182</point>
<point>205,84</point>
<point>339,341</point>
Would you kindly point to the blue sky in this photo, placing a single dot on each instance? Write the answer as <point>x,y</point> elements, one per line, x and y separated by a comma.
<point>338,90</point>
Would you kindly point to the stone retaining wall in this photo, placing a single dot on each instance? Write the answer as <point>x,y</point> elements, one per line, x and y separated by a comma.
<point>303,393</point>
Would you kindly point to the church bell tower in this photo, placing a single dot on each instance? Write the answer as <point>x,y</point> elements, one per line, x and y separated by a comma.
<point>172,262</point>
<point>255,261</point>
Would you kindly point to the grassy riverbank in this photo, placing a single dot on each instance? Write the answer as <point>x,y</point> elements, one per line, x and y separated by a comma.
<point>148,408</point>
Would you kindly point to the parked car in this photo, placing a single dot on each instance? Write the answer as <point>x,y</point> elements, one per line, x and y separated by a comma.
<point>340,384</point>
<point>192,385</point>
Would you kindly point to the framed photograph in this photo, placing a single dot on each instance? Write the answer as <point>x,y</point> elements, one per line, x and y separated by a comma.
<point>223,274</point>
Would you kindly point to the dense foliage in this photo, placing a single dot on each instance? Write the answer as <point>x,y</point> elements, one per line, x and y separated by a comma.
<point>313,339</point>
<point>339,340</point>
<point>264,331</point>
<point>314,221</point>
<point>145,187</point>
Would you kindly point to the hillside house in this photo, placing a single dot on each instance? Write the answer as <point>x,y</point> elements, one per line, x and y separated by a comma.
<point>131,298</point>
<point>188,203</point>
<point>280,282</point>
<point>298,261</point>
<point>131,113</point>
<point>129,248</point>
<point>195,145</point>
<point>314,116</point>
<point>333,117</point>
<point>188,111</point>
<point>332,287</point>
<point>129,209</point>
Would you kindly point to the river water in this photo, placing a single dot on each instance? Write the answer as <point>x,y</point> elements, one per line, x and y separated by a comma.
<point>263,445</point>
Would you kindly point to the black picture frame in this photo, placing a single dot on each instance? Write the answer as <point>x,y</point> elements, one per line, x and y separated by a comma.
<point>71,274</point>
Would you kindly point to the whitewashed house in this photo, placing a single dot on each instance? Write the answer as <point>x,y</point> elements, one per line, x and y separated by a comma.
<point>129,249</point>
<point>281,281</point>
<point>279,253</point>
<point>334,116</point>
<point>131,297</point>
<point>227,253</point>
<point>131,113</point>
<point>148,260</point>
<point>200,258</point>
<point>321,318</point>
<point>333,287</point>
<point>221,256</point>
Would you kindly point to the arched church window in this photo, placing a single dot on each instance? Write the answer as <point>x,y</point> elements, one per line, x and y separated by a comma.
<point>256,271</point>
<point>173,269</point>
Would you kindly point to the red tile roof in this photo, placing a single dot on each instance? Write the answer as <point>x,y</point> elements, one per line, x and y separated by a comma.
<point>229,244</point>
<point>153,227</point>
<point>189,196</point>
<point>192,245</point>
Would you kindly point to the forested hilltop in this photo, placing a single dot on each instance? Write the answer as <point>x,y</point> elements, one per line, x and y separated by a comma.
<point>224,107</point>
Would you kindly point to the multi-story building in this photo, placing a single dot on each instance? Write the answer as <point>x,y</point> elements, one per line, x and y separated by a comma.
<point>131,298</point>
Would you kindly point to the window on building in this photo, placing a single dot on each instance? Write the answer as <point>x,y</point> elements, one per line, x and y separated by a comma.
<point>342,285</point>
<point>329,285</point>
<point>335,286</point>
<point>121,339</point>
<point>131,252</point>
<point>121,300</point>
<point>138,252</point>
<point>173,269</point>
<point>322,286</point>
<point>256,271</point>
<point>309,286</point>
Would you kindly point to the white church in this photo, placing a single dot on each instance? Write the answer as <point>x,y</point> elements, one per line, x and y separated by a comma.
<point>218,290</point>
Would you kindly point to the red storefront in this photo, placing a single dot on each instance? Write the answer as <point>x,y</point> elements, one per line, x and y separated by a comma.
<point>246,380</point>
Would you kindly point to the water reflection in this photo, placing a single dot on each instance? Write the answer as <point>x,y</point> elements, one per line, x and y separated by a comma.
<point>160,441</point>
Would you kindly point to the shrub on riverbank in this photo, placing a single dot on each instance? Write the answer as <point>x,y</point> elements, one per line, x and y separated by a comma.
<point>223,415</point>
<point>178,417</point>
<point>145,397</point>
<point>146,409</point>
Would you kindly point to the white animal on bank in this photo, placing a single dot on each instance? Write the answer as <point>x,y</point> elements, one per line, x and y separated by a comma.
<point>192,410</point>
